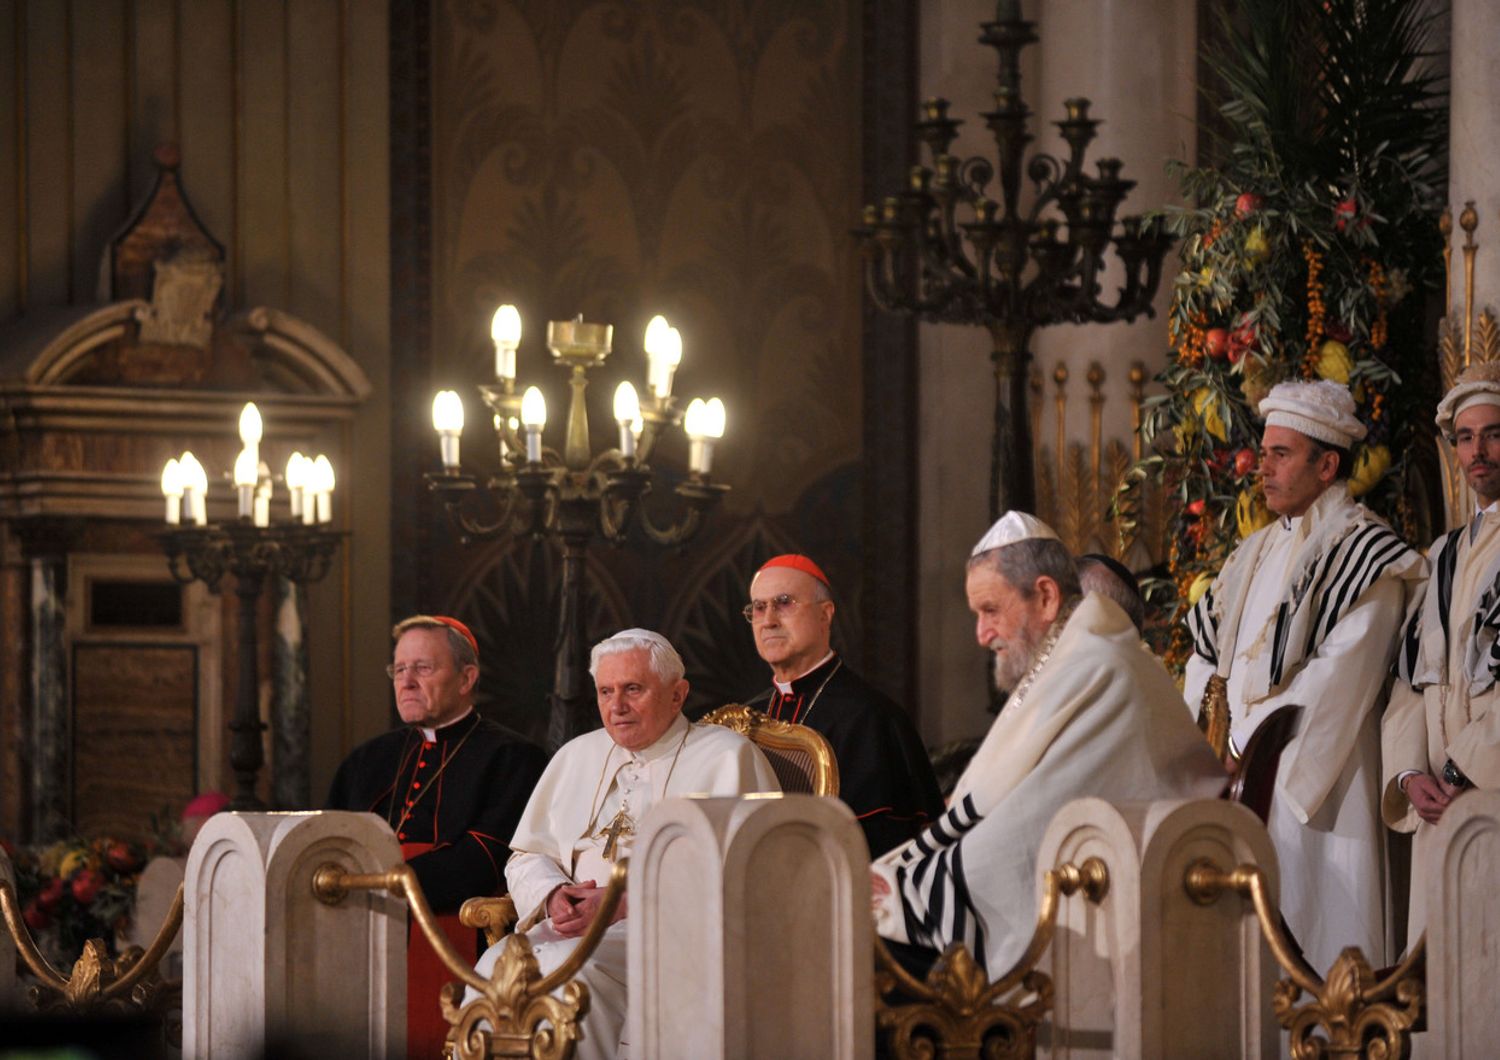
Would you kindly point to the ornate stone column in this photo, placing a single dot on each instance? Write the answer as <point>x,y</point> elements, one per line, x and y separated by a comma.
<point>51,706</point>
<point>291,710</point>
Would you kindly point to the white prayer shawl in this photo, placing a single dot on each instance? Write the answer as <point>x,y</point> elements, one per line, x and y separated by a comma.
<point>1098,715</point>
<point>1343,550</point>
<point>1308,612</point>
<point>1447,703</point>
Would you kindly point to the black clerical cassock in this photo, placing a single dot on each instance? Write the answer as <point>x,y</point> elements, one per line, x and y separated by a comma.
<point>453,802</point>
<point>885,776</point>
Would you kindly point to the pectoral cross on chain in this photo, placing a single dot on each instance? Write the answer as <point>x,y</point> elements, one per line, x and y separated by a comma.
<point>620,826</point>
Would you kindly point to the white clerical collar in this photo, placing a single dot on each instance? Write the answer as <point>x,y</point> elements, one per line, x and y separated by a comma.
<point>785,687</point>
<point>667,743</point>
<point>430,735</point>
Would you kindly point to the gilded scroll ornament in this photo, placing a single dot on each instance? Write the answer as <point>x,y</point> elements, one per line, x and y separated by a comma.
<point>1349,1013</point>
<point>956,1011</point>
<point>99,984</point>
<point>515,1014</point>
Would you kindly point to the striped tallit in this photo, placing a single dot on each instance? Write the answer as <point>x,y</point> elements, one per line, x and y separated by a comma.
<point>1346,551</point>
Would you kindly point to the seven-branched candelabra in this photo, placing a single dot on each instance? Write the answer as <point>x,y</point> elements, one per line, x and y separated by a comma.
<point>945,251</point>
<point>576,495</point>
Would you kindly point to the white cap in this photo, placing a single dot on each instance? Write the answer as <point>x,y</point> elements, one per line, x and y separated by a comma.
<point>1321,409</point>
<point>1012,527</point>
<point>1478,384</point>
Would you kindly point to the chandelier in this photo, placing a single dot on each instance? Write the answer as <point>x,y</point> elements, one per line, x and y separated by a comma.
<point>252,548</point>
<point>946,250</point>
<point>575,495</point>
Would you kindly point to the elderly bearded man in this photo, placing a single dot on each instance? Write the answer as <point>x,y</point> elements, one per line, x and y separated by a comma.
<point>452,785</point>
<point>1307,612</point>
<point>885,776</point>
<point>1441,732</point>
<point>589,802</point>
<point>1091,712</point>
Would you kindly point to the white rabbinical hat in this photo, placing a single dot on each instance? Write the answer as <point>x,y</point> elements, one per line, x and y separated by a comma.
<point>1011,527</point>
<point>1321,409</point>
<point>1478,384</point>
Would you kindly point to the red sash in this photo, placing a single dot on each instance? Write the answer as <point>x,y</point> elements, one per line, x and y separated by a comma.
<point>426,1030</point>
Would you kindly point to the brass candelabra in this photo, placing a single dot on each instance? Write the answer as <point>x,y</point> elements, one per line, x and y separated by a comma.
<point>946,251</point>
<point>575,495</point>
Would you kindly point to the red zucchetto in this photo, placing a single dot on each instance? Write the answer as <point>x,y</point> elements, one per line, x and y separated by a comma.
<point>797,562</point>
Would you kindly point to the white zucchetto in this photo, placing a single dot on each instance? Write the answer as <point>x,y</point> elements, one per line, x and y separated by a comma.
<point>1011,527</point>
<point>1321,409</point>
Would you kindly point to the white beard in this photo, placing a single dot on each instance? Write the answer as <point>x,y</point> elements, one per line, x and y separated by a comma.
<point>1019,654</point>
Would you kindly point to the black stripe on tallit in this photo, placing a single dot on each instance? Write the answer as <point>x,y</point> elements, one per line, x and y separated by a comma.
<point>1204,628</point>
<point>1372,550</point>
<point>1447,566</point>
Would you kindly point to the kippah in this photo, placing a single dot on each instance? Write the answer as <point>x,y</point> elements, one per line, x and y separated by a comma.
<point>1010,528</point>
<point>1321,409</point>
<point>1478,384</point>
<point>459,628</point>
<point>797,562</point>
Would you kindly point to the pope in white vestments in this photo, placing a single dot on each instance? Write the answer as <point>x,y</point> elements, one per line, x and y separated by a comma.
<point>1441,732</point>
<point>1091,712</point>
<point>1307,612</point>
<point>590,800</point>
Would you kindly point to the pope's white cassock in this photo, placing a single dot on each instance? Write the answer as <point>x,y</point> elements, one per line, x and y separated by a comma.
<point>1308,612</point>
<point>590,784</point>
<point>1098,715</point>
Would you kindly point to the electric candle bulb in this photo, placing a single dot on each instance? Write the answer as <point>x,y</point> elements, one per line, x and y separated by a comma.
<point>246,472</point>
<point>627,414</point>
<point>448,421</point>
<point>195,488</point>
<point>663,355</point>
<point>296,481</point>
<point>534,417</point>
<point>171,488</point>
<point>323,476</point>
<point>252,427</point>
<point>505,331</point>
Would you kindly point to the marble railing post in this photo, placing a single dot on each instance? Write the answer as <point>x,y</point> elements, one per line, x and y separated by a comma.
<point>1461,861</point>
<point>265,961</point>
<point>750,931</point>
<point>1148,972</point>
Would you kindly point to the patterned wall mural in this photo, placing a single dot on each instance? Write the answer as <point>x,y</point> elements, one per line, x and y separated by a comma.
<point>696,158</point>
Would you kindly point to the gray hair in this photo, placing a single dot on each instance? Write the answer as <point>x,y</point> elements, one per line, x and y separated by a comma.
<point>665,661</point>
<point>458,644</point>
<point>1021,563</point>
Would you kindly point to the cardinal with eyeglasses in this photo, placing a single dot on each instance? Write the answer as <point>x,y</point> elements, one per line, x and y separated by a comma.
<point>452,785</point>
<point>885,775</point>
<point>589,805</point>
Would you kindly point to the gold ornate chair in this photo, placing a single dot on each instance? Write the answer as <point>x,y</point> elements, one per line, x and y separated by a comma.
<point>801,757</point>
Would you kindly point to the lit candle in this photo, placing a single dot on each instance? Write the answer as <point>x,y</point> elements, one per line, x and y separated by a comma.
<point>194,488</point>
<point>448,421</point>
<point>251,429</point>
<point>704,425</point>
<point>505,331</point>
<point>533,418</point>
<point>663,355</point>
<point>296,481</point>
<point>171,488</point>
<point>627,412</point>
<point>263,497</point>
<point>246,472</point>
<point>323,473</point>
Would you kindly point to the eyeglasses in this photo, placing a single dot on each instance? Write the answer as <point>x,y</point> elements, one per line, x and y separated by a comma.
<point>399,671</point>
<point>756,610</point>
